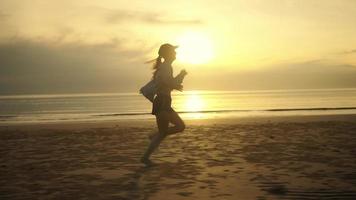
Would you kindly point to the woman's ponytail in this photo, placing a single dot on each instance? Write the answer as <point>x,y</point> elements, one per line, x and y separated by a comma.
<point>156,65</point>
<point>158,62</point>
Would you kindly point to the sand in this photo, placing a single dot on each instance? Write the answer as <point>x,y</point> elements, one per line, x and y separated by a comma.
<point>305,157</point>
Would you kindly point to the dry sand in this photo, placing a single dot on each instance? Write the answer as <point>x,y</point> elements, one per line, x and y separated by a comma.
<point>306,157</point>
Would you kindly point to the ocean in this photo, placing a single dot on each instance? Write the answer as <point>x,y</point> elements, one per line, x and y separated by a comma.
<point>191,105</point>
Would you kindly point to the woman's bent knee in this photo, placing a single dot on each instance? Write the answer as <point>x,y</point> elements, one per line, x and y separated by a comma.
<point>181,127</point>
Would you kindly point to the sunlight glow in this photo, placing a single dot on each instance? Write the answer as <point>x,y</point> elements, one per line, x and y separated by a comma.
<point>194,48</point>
<point>194,103</point>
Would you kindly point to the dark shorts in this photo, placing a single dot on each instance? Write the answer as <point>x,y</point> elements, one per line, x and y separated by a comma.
<point>162,103</point>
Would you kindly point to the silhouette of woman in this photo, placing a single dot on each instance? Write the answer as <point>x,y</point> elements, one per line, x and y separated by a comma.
<point>165,83</point>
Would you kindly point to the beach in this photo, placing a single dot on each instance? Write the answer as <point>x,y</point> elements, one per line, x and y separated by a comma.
<point>262,95</point>
<point>286,157</point>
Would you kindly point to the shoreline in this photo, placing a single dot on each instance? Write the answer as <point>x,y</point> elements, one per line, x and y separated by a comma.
<point>203,121</point>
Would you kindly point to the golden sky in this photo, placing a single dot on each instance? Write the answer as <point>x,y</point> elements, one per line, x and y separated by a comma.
<point>255,38</point>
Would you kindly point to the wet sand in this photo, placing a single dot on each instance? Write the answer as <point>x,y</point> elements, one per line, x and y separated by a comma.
<point>242,158</point>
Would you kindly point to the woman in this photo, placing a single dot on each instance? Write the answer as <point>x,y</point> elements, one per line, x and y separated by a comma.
<point>165,82</point>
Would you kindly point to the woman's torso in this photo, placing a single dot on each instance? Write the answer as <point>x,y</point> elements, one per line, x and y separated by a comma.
<point>163,76</point>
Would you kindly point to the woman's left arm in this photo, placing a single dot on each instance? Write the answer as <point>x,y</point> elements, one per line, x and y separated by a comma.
<point>179,78</point>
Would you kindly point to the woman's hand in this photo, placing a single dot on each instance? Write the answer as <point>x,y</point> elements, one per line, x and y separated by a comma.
<point>179,88</point>
<point>179,79</point>
<point>183,72</point>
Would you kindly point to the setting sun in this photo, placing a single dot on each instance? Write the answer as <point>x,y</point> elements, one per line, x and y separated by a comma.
<point>194,48</point>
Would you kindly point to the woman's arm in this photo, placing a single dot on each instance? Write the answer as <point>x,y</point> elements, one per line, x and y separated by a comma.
<point>179,78</point>
<point>165,79</point>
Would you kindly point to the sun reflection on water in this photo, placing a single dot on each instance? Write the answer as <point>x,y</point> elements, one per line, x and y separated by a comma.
<point>194,103</point>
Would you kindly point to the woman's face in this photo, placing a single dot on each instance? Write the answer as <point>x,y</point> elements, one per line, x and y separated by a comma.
<point>174,54</point>
<point>171,55</point>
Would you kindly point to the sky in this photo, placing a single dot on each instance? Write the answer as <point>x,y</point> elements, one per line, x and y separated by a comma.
<point>77,46</point>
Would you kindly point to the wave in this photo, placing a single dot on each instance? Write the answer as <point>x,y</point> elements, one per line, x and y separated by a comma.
<point>74,116</point>
<point>236,110</point>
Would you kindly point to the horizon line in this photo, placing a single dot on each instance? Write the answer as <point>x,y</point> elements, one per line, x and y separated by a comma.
<point>92,94</point>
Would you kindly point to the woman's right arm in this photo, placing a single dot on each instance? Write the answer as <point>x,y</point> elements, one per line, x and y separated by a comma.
<point>164,79</point>
<point>179,78</point>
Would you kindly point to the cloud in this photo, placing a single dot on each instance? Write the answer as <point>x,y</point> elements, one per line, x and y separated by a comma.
<point>119,16</point>
<point>308,74</point>
<point>3,16</point>
<point>352,51</point>
<point>30,66</point>
<point>39,66</point>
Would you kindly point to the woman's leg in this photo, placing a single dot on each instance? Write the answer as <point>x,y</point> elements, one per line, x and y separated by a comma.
<point>162,120</point>
<point>179,125</point>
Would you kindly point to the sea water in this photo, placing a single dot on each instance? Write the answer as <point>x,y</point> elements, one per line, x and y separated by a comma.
<point>191,104</point>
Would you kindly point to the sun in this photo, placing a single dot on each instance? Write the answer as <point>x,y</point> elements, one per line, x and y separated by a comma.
<point>194,48</point>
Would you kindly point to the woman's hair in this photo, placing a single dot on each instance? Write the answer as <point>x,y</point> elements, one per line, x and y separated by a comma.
<point>164,51</point>
<point>156,65</point>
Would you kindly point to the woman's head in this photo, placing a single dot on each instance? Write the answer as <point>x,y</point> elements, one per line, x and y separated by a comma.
<point>167,52</point>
